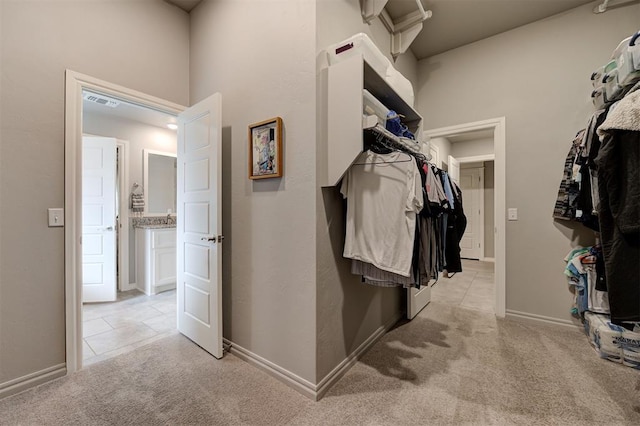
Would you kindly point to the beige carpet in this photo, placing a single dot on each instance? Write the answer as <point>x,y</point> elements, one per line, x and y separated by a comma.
<point>448,366</point>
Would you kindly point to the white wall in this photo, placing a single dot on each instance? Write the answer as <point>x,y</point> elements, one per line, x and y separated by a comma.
<point>537,76</point>
<point>107,39</point>
<point>260,55</point>
<point>139,137</point>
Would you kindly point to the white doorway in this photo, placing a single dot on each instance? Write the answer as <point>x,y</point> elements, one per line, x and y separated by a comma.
<point>75,85</point>
<point>200,234</point>
<point>496,128</point>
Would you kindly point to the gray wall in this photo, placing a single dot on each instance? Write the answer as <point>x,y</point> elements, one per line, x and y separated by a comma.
<point>472,148</point>
<point>38,40</point>
<point>537,76</point>
<point>444,150</point>
<point>261,57</point>
<point>348,311</point>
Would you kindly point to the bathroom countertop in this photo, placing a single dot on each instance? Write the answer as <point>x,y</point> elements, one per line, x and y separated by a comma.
<point>154,222</point>
<point>157,226</point>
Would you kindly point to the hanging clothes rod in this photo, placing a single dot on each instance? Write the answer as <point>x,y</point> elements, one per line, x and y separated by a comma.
<point>606,4</point>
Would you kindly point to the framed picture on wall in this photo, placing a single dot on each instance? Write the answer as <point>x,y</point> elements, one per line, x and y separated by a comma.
<point>265,149</point>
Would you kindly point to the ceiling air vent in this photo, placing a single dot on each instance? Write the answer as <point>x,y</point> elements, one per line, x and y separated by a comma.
<point>100,99</point>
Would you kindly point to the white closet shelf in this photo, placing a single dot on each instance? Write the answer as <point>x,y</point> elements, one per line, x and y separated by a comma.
<point>346,81</point>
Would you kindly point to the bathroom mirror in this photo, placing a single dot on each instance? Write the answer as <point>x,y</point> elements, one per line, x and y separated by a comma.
<point>160,181</point>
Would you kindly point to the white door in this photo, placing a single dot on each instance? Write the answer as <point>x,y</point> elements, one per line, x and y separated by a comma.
<point>98,219</point>
<point>470,184</point>
<point>454,169</point>
<point>199,226</point>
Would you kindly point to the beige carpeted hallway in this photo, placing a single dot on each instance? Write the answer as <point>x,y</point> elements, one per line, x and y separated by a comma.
<point>450,365</point>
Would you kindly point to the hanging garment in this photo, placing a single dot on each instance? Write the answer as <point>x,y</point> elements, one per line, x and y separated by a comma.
<point>377,277</point>
<point>456,225</point>
<point>384,195</point>
<point>565,207</point>
<point>618,163</point>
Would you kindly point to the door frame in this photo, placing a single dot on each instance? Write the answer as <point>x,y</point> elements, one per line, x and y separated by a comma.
<point>498,125</point>
<point>75,83</point>
<point>124,283</point>
<point>480,204</point>
<point>482,159</point>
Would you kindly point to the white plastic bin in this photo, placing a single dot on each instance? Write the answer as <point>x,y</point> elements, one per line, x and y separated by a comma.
<point>634,48</point>
<point>372,106</point>
<point>610,82</point>
<point>627,74</point>
<point>359,43</point>
<point>596,77</point>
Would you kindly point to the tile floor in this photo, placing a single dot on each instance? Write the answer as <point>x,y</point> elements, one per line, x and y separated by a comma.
<point>473,288</point>
<point>134,320</point>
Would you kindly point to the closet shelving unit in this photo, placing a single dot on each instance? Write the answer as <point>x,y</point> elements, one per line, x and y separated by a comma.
<point>346,81</point>
<point>345,133</point>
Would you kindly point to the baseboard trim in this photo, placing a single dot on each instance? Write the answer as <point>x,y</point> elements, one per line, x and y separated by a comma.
<point>290,379</point>
<point>305,387</point>
<point>23,383</point>
<point>511,314</point>
<point>341,369</point>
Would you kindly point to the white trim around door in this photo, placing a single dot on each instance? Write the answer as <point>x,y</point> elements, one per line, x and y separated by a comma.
<point>499,148</point>
<point>75,83</point>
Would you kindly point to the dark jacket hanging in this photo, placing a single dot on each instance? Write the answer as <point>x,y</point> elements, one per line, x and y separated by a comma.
<point>618,164</point>
<point>456,225</point>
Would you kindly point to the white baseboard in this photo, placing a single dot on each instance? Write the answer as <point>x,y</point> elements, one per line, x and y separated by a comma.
<point>305,387</point>
<point>330,379</point>
<point>290,379</point>
<point>30,380</point>
<point>511,314</point>
<point>488,259</point>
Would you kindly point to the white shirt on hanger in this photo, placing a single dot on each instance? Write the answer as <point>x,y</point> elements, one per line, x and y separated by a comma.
<point>384,194</point>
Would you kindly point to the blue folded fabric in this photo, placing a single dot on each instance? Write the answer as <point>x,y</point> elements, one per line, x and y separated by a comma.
<point>395,126</point>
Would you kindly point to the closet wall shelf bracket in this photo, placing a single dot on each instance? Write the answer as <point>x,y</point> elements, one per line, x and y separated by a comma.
<point>369,121</point>
<point>403,30</point>
<point>371,9</point>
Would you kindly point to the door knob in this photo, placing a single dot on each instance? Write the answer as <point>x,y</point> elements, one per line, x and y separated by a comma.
<point>109,228</point>
<point>214,239</point>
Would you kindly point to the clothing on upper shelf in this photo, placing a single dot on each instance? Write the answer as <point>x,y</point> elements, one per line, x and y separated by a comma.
<point>618,163</point>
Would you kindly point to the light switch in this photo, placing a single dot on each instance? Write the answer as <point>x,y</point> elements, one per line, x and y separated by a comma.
<point>512,214</point>
<point>56,217</point>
